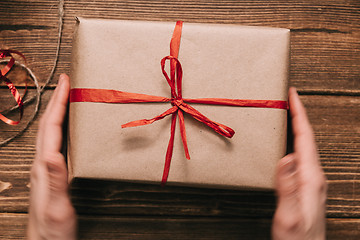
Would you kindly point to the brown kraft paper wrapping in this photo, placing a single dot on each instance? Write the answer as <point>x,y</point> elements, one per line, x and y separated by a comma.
<point>218,61</point>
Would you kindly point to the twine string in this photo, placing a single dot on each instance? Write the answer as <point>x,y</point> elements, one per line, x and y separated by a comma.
<point>39,89</point>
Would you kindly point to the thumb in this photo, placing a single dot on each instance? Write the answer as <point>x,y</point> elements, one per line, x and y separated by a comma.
<point>288,217</point>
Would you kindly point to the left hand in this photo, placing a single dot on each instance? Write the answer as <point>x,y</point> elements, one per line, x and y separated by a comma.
<point>51,215</point>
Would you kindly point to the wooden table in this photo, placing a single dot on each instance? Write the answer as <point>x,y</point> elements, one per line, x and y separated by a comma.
<point>325,67</point>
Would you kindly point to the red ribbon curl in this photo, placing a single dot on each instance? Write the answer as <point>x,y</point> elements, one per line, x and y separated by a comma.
<point>13,90</point>
<point>179,104</point>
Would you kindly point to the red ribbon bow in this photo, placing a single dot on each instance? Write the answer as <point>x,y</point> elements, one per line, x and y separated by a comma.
<point>13,90</point>
<point>179,104</point>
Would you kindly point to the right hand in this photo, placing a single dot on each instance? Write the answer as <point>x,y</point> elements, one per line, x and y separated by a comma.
<point>300,184</point>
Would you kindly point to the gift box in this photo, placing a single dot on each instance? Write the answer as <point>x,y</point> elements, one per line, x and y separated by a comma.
<point>219,61</point>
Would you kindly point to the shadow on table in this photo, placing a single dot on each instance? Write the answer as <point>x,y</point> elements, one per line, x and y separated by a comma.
<point>121,210</point>
<point>122,198</point>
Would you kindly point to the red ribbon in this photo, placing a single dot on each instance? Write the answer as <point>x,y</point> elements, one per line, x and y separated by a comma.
<point>179,104</point>
<point>13,90</point>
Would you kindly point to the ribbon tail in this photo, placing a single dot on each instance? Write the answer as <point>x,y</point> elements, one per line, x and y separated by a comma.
<point>149,121</point>
<point>169,151</point>
<point>217,127</point>
<point>183,134</point>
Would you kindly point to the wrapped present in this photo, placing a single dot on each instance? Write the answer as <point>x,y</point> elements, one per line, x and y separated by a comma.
<point>213,81</point>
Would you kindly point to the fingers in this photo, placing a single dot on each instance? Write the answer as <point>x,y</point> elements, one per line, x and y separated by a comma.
<point>51,213</point>
<point>59,210</point>
<point>48,144</point>
<point>288,219</point>
<point>300,183</point>
<point>50,130</point>
<point>304,143</point>
<point>310,176</point>
<point>287,182</point>
<point>57,171</point>
<point>58,103</point>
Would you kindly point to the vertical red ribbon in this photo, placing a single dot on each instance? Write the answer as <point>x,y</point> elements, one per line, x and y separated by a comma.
<point>13,90</point>
<point>174,52</point>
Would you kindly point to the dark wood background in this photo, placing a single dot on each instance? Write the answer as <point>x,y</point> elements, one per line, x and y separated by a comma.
<point>325,68</point>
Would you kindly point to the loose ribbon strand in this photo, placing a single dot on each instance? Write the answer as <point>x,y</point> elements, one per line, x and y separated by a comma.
<point>11,86</point>
<point>39,89</point>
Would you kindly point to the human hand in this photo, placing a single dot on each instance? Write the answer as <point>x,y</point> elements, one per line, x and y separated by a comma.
<point>51,215</point>
<point>300,183</point>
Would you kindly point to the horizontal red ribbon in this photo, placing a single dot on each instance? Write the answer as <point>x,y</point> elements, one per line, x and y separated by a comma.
<point>11,86</point>
<point>114,96</point>
<point>179,104</point>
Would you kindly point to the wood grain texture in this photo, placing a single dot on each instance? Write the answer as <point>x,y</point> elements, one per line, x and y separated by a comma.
<point>325,37</point>
<point>325,60</point>
<point>13,226</point>
<point>335,121</point>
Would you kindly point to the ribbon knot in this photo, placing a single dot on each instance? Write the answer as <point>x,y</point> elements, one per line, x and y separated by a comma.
<point>177,102</point>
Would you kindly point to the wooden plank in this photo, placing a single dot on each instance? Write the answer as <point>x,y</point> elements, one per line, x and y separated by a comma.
<point>35,35</point>
<point>13,226</point>
<point>325,47</point>
<point>325,38</point>
<point>337,130</point>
